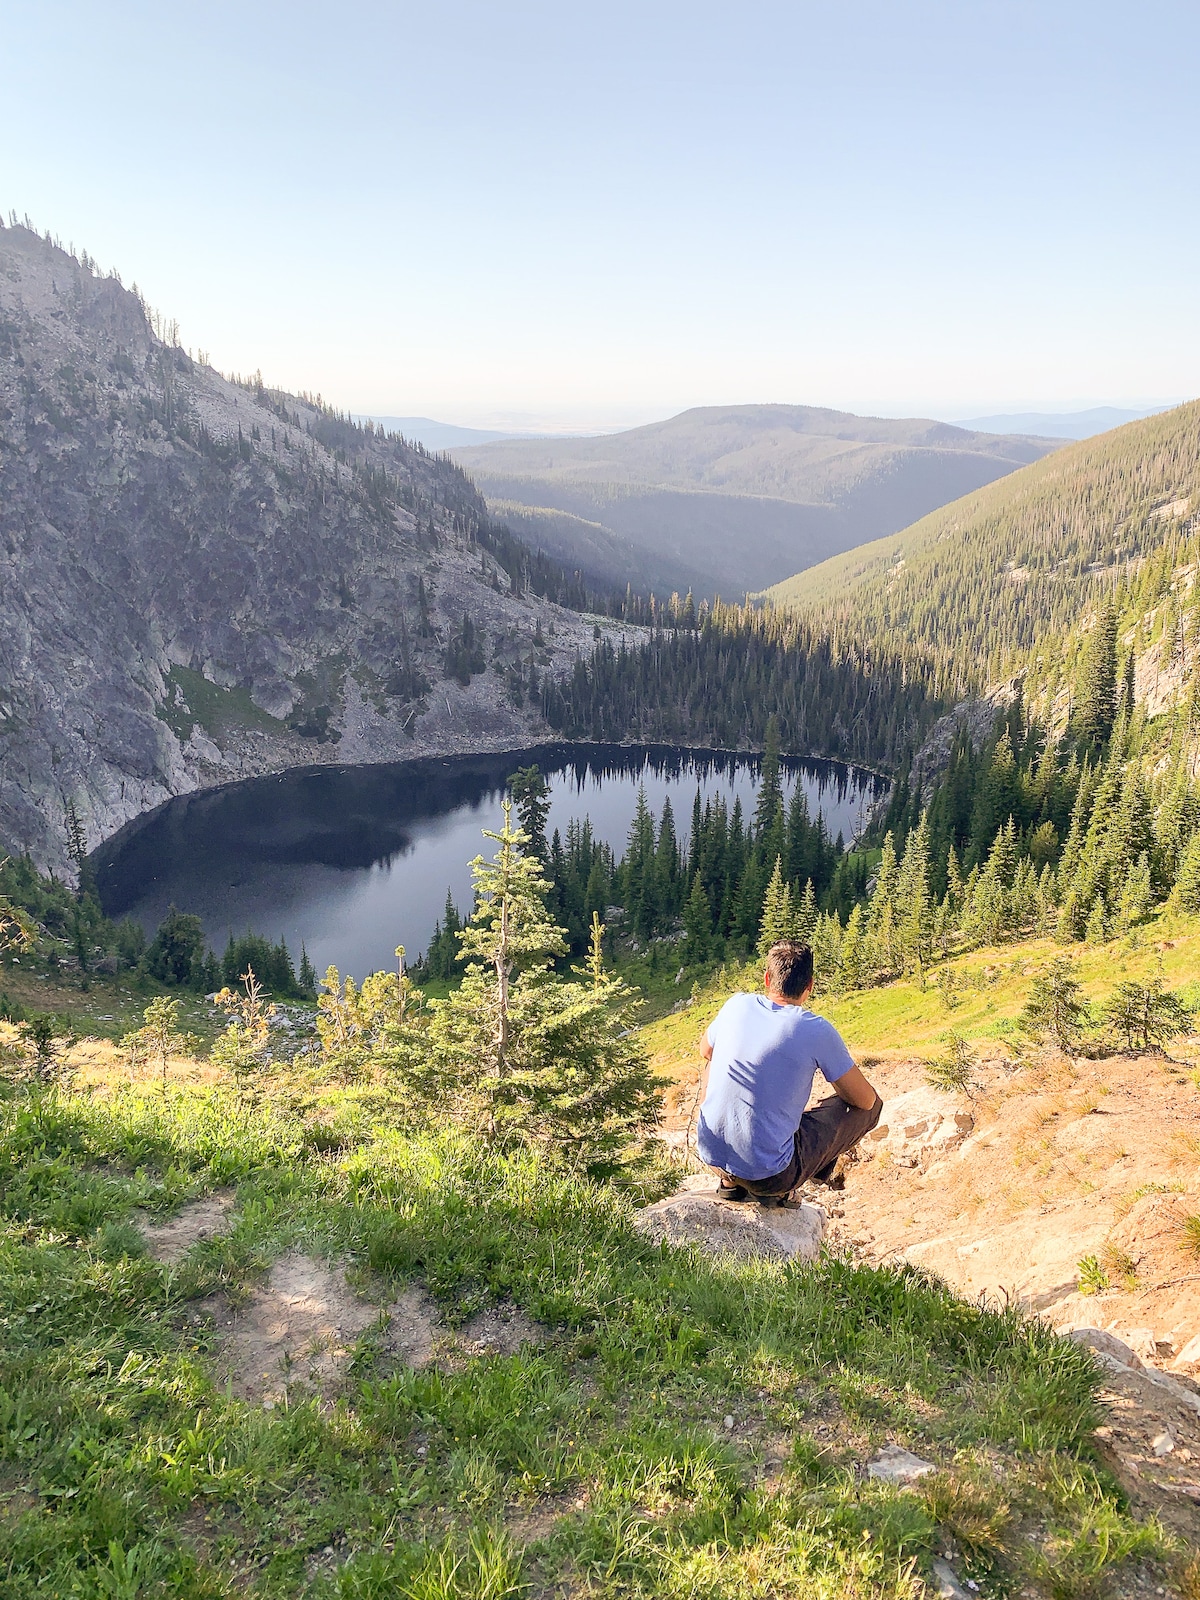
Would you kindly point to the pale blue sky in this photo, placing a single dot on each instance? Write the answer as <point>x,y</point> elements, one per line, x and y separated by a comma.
<point>523,213</point>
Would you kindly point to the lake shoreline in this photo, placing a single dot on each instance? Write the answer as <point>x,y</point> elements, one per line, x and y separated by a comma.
<point>520,754</point>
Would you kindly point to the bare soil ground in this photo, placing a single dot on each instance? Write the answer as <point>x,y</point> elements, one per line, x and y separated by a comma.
<point>501,1330</point>
<point>297,1332</point>
<point>171,1240</point>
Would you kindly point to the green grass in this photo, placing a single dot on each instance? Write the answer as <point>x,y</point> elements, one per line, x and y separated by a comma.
<point>109,1007</point>
<point>598,1462</point>
<point>216,710</point>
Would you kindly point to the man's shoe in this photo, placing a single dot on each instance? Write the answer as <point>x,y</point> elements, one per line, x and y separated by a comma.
<point>731,1191</point>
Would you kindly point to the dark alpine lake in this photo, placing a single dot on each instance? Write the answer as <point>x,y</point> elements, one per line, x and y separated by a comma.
<point>352,861</point>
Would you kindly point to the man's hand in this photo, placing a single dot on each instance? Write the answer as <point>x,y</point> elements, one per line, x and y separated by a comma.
<point>855,1090</point>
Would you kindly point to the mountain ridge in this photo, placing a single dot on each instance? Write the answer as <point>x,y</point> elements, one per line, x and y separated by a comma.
<point>780,483</point>
<point>983,581</point>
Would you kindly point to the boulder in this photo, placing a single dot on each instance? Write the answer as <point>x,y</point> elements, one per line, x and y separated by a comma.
<point>1189,1356</point>
<point>741,1229</point>
<point>920,1127</point>
<point>1142,1342</point>
<point>1107,1345</point>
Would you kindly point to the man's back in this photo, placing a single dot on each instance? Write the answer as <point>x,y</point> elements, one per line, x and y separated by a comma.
<point>764,1057</point>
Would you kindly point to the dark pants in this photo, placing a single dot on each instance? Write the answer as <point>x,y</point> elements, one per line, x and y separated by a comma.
<point>825,1133</point>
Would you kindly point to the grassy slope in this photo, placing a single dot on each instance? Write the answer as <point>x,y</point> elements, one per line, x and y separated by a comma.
<point>601,1461</point>
<point>980,995</point>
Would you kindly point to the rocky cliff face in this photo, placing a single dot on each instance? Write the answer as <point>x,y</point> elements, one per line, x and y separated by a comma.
<point>201,580</point>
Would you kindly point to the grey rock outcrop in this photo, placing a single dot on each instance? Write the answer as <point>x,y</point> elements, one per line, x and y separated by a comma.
<point>203,579</point>
<point>743,1230</point>
<point>895,1464</point>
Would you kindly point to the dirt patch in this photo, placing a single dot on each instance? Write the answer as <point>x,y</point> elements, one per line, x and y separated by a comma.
<point>412,1332</point>
<point>501,1330</point>
<point>170,1241</point>
<point>296,1334</point>
<point>16,1500</point>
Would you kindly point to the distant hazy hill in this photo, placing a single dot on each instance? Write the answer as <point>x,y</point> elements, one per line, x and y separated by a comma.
<point>1062,424</point>
<point>434,435</point>
<point>985,580</point>
<point>726,499</point>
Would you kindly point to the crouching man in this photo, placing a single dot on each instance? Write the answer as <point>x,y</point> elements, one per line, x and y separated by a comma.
<point>762,1052</point>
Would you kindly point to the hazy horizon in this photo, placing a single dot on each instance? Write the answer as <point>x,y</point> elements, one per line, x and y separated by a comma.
<point>549,426</point>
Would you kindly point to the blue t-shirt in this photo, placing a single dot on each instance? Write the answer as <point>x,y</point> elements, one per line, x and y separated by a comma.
<point>763,1062</point>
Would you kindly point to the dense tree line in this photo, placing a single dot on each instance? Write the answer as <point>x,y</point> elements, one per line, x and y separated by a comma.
<point>721,683</point>
<point>701,888</point>
<point>1077,837</point>
<point>1027,834</point>
<point>71,929</point>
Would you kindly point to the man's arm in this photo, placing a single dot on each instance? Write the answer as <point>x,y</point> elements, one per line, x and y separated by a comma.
<point>855,1090</point>
<point>706,1055</point>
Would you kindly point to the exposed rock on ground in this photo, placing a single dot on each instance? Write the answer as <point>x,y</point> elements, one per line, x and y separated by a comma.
<point>1004,1195</point>
<point>742,1229</point>
<point>894,1464</point>
<point>920,1127</point>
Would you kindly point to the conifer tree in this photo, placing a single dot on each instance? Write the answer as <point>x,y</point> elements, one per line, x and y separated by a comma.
<point>770,787</point>
<point>855,961</point>
<point>1187,885</point>
<point>697,923</point>
<point>778,918</point>
<point>509,934</point>
<point>827,946</point>
<point>531,796</point>
<point>1046,900</point>
<point>881,917</point>
<point>1135,896</point>
<point>955,887</point>
<point>1095,707</point>
<point>806,915</point>
<point>1056,1007</point>
<point>370,1028</point>
<point>998,799</point>
<point>914,901</point>
<point>1147,1015</point>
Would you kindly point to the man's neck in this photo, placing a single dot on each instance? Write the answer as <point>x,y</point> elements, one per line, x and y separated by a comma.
<point>783,1000</point>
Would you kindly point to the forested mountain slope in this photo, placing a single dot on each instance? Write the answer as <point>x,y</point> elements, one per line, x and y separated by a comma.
<point>725,499</point>
<point>201,579</point>
<point>988,582</point>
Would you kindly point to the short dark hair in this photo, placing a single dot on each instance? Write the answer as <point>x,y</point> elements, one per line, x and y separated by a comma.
<point>789,968</point>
